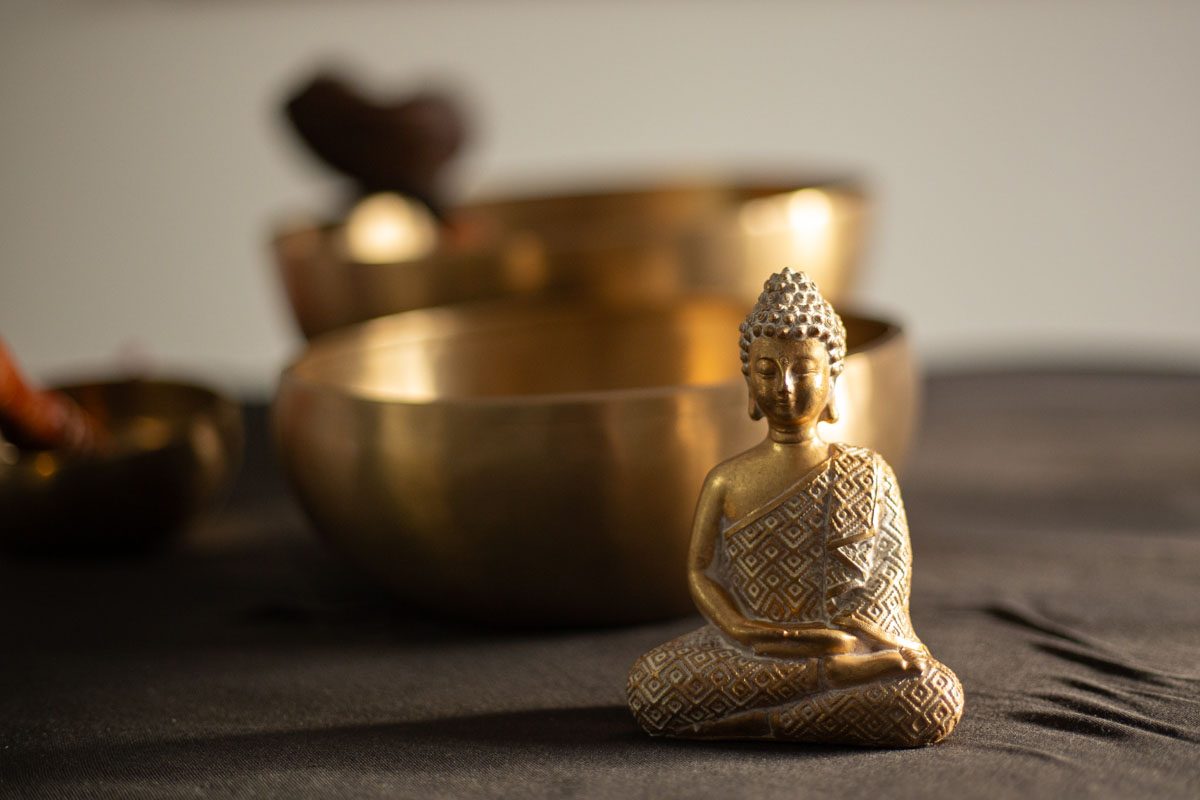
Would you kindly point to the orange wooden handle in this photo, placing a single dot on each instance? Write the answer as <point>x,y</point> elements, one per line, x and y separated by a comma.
<point>35,419</point>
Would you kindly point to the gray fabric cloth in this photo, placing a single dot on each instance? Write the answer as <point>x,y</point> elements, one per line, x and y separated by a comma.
<point>1056,526</point>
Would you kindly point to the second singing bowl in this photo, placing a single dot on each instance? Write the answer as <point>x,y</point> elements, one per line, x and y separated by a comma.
<point>651,241</point>
<point>172,452</point>
<point>539,465</point>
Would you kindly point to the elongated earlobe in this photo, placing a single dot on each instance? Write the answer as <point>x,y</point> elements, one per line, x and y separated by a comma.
<point>755,411</point>
<point>833,410</point>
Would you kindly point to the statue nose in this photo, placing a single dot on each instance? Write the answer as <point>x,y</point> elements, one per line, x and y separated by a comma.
<point>789,382</point>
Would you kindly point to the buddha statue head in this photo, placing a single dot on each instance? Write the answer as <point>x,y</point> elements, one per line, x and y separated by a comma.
<point>793,345</point>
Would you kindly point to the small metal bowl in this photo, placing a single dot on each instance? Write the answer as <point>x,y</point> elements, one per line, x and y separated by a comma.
<point>174,448</point>
<point>657,241</point>
<point>531,464</point>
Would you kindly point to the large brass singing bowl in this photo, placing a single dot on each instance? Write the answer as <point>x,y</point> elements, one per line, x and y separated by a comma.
<point>539,465</point>
<point>172,449</point>
<point>654,242</point>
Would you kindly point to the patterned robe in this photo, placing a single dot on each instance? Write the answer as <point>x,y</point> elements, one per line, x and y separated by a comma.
<point>833,550</point>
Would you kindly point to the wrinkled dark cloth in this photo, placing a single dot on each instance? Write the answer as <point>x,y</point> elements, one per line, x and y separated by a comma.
<point>1056,527</point>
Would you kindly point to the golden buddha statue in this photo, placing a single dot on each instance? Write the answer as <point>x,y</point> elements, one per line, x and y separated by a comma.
<point>800,561</point>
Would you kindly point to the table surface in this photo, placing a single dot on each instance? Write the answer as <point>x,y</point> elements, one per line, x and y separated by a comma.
<point>1056,529</point>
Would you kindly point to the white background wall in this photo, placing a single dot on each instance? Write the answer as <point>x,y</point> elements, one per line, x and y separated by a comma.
<point>1037,165</point>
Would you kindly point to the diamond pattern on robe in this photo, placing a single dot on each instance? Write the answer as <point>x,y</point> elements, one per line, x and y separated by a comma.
<point>672,692</point>
<point>905,712</point>
<point>786,564</point>
<point>701,676</point>
<point>882,603</point>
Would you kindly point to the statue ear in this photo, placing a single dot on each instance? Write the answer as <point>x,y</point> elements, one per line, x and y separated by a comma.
<point>755,411</point>
<point>833,411</point>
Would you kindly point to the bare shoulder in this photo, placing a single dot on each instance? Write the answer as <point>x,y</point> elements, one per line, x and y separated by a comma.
<point>730,468</point>
<point>718,478</point>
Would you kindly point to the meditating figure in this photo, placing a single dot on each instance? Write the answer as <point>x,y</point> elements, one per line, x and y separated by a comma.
<point>800,561</point>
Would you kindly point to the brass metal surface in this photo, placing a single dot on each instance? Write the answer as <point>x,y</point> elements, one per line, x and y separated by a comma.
<point>173,449</point>
<point>537,464</point>
<point>638,244</point>
<point>801,563</point>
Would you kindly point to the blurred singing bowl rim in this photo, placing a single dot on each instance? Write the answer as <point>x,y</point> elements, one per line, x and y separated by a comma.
<point>205,478</point>
<point>614,241</point>
<point>876,333</point>
<point>739,188</point>
<point>222,406</point>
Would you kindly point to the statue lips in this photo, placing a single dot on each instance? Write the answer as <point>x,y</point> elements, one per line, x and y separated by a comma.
<point>788,403</point>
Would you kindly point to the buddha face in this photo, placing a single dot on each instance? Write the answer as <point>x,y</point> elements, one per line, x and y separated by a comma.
<point>789,380</point>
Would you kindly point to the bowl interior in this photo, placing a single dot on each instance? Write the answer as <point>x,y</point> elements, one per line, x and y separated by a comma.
<point>526,349</point>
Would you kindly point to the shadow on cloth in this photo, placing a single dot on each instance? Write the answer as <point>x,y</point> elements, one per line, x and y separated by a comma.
<point>599,733</point>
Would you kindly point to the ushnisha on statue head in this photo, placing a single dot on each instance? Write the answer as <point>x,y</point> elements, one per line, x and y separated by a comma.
<point>793,347</point>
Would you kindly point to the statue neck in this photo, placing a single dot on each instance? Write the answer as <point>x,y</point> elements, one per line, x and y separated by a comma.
<point>805,434</point>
